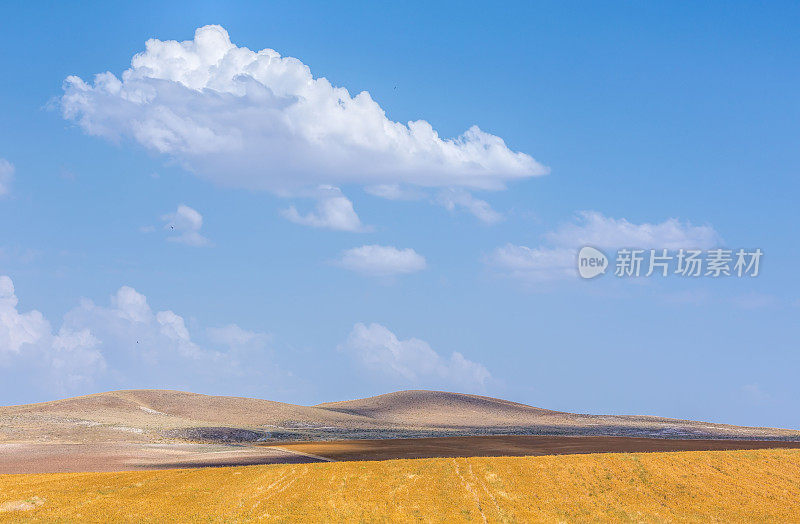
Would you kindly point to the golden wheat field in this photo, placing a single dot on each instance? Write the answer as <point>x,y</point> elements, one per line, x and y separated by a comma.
<point>696,486</point>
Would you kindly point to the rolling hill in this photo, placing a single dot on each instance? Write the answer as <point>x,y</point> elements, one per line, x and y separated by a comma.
<point>158,415</point>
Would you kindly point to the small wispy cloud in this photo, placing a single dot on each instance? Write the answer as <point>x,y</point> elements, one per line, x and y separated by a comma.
<point>184,225</point>
<point>755,300</point>
<point>333,211</point>
<point>555,259</point>
<point>382,261</point>
<point>395,192</point>
<point>454,199</point>
<point>6,176</point>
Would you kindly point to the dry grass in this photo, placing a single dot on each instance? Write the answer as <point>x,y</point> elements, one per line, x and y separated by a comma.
<point>697,486</point>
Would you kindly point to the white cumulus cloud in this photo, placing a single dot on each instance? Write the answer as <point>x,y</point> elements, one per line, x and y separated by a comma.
<point>74,359</point>
<point>18,329</point>
<point>378,260</point>
<point>124,344</point>
<point>333,211</point>
<point>556,258</point>
<point>185,224</point>
<point>67,359</point>
<point>131,305</point>
<point>6,176</point>
<point>412,361</point>
<point>258,120</point>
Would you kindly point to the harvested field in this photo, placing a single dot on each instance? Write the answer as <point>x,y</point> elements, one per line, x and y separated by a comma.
<point>117,456</point>
<point>696,486</point>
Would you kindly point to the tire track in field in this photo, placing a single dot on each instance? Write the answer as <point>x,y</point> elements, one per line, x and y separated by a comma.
<point>485,489</point>
<point>470,489</point>
<point>285,479</point>
<point>303,453</point>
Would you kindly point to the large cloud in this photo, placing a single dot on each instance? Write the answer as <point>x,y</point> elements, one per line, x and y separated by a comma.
<point>413,361</point>
<point>263,121</point>
<point>556,258</point>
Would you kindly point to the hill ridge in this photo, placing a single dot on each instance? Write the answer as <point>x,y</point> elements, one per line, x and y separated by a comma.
<point>154,415</point>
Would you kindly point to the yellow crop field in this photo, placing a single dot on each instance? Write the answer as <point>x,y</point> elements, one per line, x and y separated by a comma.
<point>696,486</point>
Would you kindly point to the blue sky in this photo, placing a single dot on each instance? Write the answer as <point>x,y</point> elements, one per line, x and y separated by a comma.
<point>667,125</point>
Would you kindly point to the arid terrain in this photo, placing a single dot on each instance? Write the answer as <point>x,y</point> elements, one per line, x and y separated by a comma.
<point>512,446</point>
<point>132,456</point>
<point>146,429</point>
<point>694,486</point>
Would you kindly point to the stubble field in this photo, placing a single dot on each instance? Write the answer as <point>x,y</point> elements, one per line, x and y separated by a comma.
<point>721,486</point>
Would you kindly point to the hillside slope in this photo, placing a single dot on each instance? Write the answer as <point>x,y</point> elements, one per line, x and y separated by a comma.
<point>441,409</point>
<point>134,415</point>
<point>156,415</point>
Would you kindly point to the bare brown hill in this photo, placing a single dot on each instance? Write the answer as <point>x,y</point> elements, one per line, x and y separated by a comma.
<point>441,409</point>
<point>480,415</point>
<point>144,415</point>
<point>142,429</point>
<point>161,415</point>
